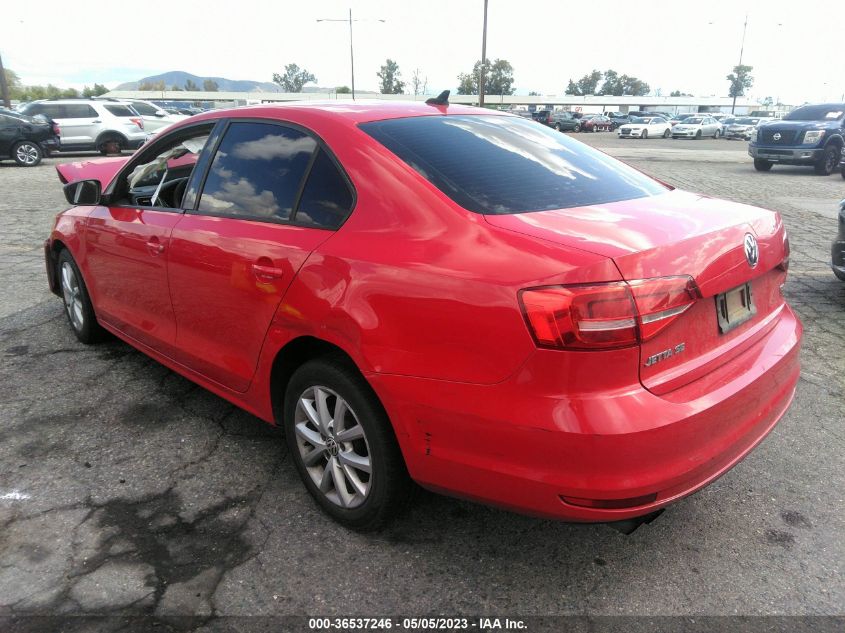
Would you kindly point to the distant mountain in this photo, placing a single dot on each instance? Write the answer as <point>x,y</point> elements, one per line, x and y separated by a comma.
<point>180,78</point>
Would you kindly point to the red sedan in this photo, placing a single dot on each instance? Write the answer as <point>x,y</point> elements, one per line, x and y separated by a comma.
<point>442,294</point>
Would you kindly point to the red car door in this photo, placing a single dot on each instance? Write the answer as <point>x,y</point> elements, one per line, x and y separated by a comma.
<point>126,243</point>
<point>233,257</point>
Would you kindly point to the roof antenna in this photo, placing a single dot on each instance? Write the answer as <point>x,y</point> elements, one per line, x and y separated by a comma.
<point>441,100</point>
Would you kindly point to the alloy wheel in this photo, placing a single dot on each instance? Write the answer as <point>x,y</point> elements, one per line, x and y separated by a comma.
<point>72,296</point>
<point>333,447</point>
<point>27,154</point>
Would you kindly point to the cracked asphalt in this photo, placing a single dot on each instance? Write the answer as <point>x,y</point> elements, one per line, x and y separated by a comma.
<point>126,490</point>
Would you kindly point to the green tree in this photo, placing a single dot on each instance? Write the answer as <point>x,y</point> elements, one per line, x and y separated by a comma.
<point>498,78</point>
<point>618,85</point>
<point>191,86</point>
<point>678,93</point>
<point>389,78</point>
<point>294,78</point>
<point>533,93</point>
<point>587,85</point>
<point>209,85</point>
<point>96,91</point>
<point>418,82</point>
<point>342,90</point>
<point>740,80</point>
<point>176,88</point>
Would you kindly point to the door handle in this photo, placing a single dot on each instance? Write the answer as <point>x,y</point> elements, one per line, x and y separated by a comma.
<point>97,121</point>
<point>267,272</point>
<point>154,246</point>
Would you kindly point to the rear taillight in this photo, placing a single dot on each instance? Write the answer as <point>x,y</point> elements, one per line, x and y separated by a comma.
<point>138,122</point>
<point>784,264</point>
<point>608,315</point>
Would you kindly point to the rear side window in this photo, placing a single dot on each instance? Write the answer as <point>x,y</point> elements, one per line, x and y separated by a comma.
<point>143,108</point>
<point>257,171</point>
<point>326,199</point>
<point>77,111</point>
<point>501,164</point>
<point>121,110</point>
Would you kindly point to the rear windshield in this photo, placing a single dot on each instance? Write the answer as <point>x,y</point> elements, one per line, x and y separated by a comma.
<point>816,113</point>
<point>501,164</point>
<point>121,110</point>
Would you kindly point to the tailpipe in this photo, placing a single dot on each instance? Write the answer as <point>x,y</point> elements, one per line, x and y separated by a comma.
<point>629,526</point>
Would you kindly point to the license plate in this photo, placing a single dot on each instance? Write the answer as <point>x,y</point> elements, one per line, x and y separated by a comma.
<point>735,307</point>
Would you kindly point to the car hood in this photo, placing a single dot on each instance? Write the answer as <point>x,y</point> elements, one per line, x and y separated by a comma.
<point>673,233</point>
<point>799,125</point>
<point>102,169</point>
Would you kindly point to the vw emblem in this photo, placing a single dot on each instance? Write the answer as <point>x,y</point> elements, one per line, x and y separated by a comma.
<point>752,253</point>
<point>776,136</point>
<point>332,447</point>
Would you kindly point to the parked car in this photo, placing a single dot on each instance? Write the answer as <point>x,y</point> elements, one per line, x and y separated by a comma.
<point>153,116</point>
<point>542,116</point>
<point>26,140</point>
<point>678,118</point>
<point>89,124</point>
<point>741,128</point>
<point>309,263</point>
<point>809,135</point>
<point>595,123</point>
<point>837,249</point>
<point>563,121</point>
<point>617,119</point>
<point>697,126</point>
<point>643,127</point>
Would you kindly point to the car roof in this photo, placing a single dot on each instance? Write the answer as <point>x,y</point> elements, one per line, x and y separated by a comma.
<point>363,111</point>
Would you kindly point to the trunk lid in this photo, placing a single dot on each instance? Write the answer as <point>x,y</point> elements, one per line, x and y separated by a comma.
<point>678,233</point>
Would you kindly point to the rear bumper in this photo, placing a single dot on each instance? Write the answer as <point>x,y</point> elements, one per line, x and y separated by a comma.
<point>526,449</point>
<point>837,255</point>
<point>791,156</point>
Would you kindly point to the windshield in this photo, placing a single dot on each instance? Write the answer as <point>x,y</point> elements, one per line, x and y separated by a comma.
<point>747,121</point>
<point>639,119</point>
<point>817,113</point>
<point>696,120</point>
<point>500,165</point>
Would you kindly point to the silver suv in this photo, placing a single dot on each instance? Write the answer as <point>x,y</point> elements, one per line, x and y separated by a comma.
<point>87,124</point>
<point>155,118</point>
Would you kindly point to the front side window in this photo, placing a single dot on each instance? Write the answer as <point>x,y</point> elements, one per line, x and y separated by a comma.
<point>257,171</point>
<point>161,178</point>
<point>500,165</point>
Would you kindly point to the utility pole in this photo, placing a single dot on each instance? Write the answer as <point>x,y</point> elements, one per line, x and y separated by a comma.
<point>351,50</point>
<point>4,88</point>
<point>741,49</point>
<point>483,69</point>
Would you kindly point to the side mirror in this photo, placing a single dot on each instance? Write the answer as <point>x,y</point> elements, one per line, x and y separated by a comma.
<point>160,114</point>
<point>83,192</point>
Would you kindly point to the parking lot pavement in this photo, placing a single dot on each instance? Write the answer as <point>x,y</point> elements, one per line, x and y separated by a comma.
<point>126,489</point>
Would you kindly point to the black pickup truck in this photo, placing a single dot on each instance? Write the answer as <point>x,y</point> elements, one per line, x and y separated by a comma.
<point>810,135</point>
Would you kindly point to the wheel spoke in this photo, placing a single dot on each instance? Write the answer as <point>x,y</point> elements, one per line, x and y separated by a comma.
<point>358,462</point>
<point>343,493</point>
<point>313,457</point>
<point>352,478</point>
<point>323,407</point>
<point>311,413</point>
<point>353,433</point>
<point>340,409</point>
<point>312,437</point>
<point>328,476</point>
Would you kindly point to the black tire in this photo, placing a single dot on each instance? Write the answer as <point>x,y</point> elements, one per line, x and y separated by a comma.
<point>27,153</point>
<point>828,161</point>
<point>843,173</point>
<point>761,164</point>
<point>839,275</point>
<point>104,143</point>
<point>644,135</point>
<point>557,127</point>
<point>577,127</point>
<point>667,133</point>
<point>389,486</point>
<point>85,326</point>
<point>697,135</point>
<point>717,134</point>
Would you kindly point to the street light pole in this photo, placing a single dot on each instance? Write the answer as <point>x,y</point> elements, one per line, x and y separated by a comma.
<point>741,49</point>
<point>482,70</point>
<point>351,50</point>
